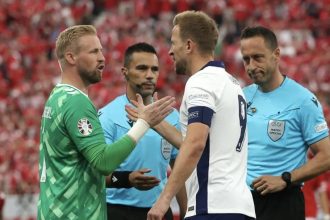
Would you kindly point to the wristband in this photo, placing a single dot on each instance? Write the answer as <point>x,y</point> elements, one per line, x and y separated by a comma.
<point>120,179</point>
<point>139,128</point>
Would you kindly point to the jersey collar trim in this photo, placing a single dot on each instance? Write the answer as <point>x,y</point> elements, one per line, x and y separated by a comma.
<point>214,63</point>
<point>63,84</point>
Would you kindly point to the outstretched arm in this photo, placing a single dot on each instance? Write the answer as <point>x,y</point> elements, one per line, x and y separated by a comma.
<point>170,133</point>
<point>166,130</point>
<point>106,158</point>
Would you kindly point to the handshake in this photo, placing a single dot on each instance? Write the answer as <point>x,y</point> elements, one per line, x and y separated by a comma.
<point>147,116</point>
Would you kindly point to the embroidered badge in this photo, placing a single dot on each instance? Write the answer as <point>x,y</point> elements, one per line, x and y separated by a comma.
<point>199,96</point>
<point>276,129</point>
<point>166,149</point>
<point>193,115</point>
<point>321,127</point>
<point>84,126</point>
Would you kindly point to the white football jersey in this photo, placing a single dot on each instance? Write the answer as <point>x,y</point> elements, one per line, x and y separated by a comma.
<point>218,183</point>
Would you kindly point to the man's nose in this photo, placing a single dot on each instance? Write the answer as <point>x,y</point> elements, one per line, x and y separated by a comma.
<point>150,74</point>
<point>251,66</point>
<point>101,57</point>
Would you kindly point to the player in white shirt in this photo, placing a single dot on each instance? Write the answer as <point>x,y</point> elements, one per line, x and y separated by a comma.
<point>213,145</point>
<point>214,98</point>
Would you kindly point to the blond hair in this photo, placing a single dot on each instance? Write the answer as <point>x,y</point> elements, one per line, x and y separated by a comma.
<point>69,37</point>
<point>199,27</point>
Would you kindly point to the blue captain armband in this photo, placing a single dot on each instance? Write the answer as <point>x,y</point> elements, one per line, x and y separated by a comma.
<point>200,114</point>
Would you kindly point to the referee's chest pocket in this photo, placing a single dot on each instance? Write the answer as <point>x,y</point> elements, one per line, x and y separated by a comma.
<point>279,125</point>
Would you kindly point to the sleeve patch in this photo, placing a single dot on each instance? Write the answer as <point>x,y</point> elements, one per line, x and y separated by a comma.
<point>200,114</point>
<point>198,96</point>
<point>84,127</point>
<point>321,127</point>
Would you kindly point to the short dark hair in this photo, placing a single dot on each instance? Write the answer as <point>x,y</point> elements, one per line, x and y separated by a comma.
<point>138,47</point>
<point>260,31</point>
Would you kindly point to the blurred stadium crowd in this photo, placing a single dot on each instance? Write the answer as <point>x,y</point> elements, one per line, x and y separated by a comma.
<point>29,69</point>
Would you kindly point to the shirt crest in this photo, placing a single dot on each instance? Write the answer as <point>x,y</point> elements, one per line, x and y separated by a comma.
<point>275,129</point>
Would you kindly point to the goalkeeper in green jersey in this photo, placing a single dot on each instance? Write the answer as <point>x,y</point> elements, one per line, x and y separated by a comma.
<point>73,154</point>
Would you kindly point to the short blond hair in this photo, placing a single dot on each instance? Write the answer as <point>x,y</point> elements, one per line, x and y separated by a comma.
<point>200,28</point>
<point>69,37</point>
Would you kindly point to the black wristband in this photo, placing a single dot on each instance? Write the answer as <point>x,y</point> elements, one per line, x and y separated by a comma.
<point>120,179</point>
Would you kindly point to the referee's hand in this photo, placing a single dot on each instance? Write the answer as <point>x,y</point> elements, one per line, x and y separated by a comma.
<point>140,181</point>
<point>268,184</point>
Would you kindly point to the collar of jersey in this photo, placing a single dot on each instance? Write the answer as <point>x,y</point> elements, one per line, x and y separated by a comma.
<point>214,63</point>
<point>63,84</point>
<point>129,101</point>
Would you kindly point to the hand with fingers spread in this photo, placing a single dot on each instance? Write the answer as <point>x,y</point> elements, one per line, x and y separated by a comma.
<point>155,112</point>
<point>140,181</point>
<point>268,184</point>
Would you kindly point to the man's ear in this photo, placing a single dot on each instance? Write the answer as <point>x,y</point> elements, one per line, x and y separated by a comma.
<point>189,45</point>
<point>277,54</point>
<point>124,71</point>
<point>70,58</point>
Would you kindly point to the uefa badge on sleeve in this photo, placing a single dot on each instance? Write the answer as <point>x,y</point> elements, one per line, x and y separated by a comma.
<point>84,127</point>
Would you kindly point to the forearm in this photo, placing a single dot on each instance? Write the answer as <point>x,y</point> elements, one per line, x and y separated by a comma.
<point>107,158</point>
<point>170,133</point>
<point>181,198</point>
<point>315,166</point>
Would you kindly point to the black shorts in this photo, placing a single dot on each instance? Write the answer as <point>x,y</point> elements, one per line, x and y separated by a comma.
<point>124,212</point>
<point>288,204</point>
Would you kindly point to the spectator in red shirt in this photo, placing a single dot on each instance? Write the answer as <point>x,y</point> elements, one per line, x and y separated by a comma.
<point>313,188</point>
<point>2,204</point>
<point>315,191</point>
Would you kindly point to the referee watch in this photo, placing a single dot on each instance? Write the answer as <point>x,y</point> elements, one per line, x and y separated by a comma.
<point>286,176</point>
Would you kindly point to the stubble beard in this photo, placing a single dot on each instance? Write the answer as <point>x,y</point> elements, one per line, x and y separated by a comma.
<point>90,77</point>
<point>144,93</point>
<point>181,67</point>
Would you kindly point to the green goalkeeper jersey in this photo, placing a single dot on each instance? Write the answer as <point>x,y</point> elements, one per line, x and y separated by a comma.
<point>73,157</point>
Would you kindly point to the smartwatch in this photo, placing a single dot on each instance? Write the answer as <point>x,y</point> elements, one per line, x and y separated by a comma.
<point>286,176</point>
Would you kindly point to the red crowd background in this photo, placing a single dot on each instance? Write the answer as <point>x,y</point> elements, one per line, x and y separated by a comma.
<point>29,69</point>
